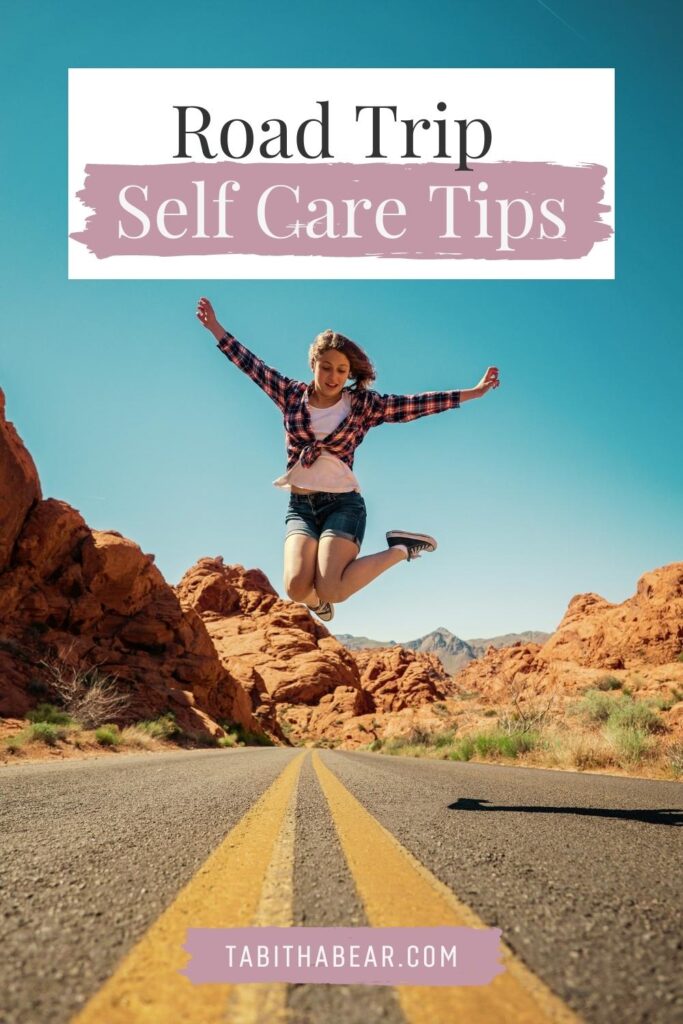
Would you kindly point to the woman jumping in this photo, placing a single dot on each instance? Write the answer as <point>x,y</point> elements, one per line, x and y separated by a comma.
<point>324,424</point>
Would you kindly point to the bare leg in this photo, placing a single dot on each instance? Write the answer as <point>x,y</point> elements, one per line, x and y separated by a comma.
<point>341,573</point>
<point>301,554</point>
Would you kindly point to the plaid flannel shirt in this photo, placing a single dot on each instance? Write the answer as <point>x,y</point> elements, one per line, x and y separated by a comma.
<point>368,408</point>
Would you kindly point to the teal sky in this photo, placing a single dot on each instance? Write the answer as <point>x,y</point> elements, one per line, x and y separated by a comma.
<point>566,479</point>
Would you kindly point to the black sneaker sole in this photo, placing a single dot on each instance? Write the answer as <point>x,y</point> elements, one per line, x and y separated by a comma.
<point>398,536</point>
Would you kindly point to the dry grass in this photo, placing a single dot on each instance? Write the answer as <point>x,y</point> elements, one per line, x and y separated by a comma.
<point>88,696</point>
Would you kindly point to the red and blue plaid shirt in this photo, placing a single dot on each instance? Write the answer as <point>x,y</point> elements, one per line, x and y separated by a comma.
<point>368,408</point>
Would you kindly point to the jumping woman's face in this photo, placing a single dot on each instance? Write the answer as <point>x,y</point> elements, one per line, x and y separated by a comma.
<point>330,374</point>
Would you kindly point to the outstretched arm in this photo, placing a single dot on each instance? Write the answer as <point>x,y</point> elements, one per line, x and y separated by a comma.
<point>274,383</point>
<point>489,382</point>
<point>402,408</point>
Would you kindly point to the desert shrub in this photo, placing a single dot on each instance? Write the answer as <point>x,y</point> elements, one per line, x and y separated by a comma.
<point>163,728</point>
<point>89,696</point>
<point>229,740</point>
<point>246,737</point>
<point>395,743</point>
<point>49,713</point>
<point>134,736</point>
<point>608,683</point>
<point>594,707</point>
<point>463,749</point>
<point>444,739</point>
<point>586,750</point>
<point>375,745</point>
<point>504,744</point>
<point>675,758</point>
<point>108,735</point>
<point>46,732</point>
<point>633,745</point>
<point>16,742</point>
<point>635,714</point>
<point>439,708</point>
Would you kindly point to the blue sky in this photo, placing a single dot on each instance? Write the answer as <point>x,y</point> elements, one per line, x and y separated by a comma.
<point>566,479</point>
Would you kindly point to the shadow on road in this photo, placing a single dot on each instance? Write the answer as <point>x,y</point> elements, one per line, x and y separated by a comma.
<point>665,816</point>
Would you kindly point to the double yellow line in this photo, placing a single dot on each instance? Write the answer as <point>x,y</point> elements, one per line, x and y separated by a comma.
<point>226,892</point>
<point>248,880</point>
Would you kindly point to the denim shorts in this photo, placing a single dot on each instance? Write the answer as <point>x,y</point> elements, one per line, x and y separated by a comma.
<point>327,515</point>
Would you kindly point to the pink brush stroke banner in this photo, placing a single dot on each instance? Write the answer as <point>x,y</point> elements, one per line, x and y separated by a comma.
<point>498,211</point>
<point>435,956</point>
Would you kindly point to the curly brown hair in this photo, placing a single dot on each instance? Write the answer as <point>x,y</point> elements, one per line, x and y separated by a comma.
<point>362,371</point>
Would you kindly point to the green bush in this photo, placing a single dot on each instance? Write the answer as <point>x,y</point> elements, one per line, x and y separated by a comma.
<point>46,732</point>
<point>504,744</point>
<point>16,742</point>
<point>108,735</point>
<point>635,714</point>
<point>49,713</point>
<point>632,744</point>
<point>246,737</point>
<point>595,706</point>
<point>229,740</point>
<point>375,745</point>
<point>444,739</point>
<point>163,728</point>
<point>463,750</point>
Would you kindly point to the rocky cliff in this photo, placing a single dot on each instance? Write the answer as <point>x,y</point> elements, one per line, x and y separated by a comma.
<point>93,599</point>
<point>642,635</point>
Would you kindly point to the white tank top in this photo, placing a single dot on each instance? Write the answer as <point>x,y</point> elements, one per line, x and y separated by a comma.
<point>328,473</point>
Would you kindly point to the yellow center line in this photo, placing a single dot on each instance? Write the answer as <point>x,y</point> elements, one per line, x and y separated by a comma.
<point>266,1002</point>
<point>398,891</point>
<point>225,892</point>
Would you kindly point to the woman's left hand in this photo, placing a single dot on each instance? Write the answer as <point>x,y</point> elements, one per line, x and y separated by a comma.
<point>489,381</point>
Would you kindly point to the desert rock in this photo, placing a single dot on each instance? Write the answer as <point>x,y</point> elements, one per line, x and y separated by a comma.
<point>92,599</point>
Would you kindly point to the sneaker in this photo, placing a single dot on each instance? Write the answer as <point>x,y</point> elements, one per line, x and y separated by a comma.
<point>415,542</point>
<point>324,611</point>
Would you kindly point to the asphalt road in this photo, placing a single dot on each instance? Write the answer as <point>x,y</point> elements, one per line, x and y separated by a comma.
<point>582,872</point>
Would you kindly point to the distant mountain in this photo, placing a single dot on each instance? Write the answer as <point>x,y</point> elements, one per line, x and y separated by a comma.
<point>529,636</point>
<point>452,652</point>
<point>363,643</point>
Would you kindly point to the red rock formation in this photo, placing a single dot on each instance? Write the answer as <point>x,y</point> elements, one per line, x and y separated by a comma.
<point>293,669</point>
<point>95,599</point>
<point>19,485</point>
<point>275,648</point>
<point>595,638</point>
<point>399,678</point>
<point>646,629</point>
